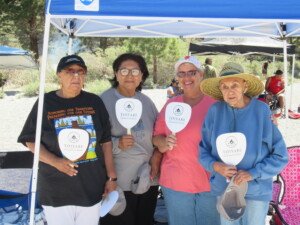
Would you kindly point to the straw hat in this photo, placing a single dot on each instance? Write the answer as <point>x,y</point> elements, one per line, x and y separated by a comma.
<point>210,86</point>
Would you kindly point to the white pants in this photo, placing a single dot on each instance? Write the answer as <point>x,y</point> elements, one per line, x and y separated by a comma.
<point>72,215</point>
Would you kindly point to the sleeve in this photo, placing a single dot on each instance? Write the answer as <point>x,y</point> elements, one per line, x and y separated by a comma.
<point>104,119</point>
<point>205,156</point>
<point>160,124</point>
<point>277,158</point>
<point>29,128</point>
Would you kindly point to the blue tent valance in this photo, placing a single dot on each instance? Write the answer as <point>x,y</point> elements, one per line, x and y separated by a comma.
<point>176,18</point>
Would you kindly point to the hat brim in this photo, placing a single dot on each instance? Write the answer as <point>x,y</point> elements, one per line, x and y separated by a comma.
<point>210,86</point>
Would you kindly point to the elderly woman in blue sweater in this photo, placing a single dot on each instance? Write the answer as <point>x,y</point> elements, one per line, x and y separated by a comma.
<point>265,154</point>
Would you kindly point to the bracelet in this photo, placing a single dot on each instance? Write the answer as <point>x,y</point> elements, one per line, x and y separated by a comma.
<point>112,179</point>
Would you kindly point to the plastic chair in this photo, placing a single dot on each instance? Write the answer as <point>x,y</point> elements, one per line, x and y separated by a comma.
<point>287,208</point>
<point>15,175</point>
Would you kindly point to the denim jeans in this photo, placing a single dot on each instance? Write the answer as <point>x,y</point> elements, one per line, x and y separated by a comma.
<point>255,213</point>
<point>191,209</point>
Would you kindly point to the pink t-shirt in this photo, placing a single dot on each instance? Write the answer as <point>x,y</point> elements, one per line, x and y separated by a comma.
<point>180,168</point>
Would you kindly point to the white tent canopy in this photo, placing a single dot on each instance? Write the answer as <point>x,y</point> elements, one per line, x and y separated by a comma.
<point>164,18</point>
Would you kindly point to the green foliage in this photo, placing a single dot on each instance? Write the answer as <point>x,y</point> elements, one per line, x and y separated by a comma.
<point>97,86</point>
<point>31,89</point>
<point>3,79</point>
<point>2,94</point>
<point>23,19</point>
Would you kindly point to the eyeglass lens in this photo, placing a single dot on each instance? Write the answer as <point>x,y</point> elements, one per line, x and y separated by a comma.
<point>190,73</point>
<point>133,72</point>
<point>74,72</point>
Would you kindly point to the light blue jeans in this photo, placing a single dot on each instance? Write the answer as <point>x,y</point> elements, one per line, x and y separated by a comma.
<point>255,214</point>
<point>191,209</point>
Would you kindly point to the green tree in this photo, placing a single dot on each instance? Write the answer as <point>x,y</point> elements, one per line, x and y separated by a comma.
<point>23,19</point>
<point>155,50</point>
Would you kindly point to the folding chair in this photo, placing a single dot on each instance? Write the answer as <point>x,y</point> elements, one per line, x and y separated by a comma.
<point>15,177</point>
<point>287,207</point>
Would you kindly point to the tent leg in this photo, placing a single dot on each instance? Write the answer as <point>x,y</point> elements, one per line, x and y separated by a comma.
<point>70,45</point>
<point>285,70</point>
<point>39,119</point>
<point>292,81</point>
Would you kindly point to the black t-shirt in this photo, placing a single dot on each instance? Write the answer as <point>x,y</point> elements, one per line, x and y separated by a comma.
<point>87,113</point>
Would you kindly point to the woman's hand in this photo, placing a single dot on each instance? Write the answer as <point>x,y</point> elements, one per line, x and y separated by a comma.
<point>171,141</point>
<point>225,170</point>
<point>109,187</point>
<point>155,163</point>
<point>241,177</point>
<point>126,142</point>
<point>66,166</point>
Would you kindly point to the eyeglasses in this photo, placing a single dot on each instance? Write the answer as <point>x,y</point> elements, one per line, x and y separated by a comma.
<point>134,72</point>
<point>190,73</point>
<point>72,72</point>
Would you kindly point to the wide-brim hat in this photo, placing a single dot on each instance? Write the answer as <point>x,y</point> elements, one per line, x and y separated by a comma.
<point>120,205</point>
<point>210,86</point>
<point>141,183</point>
<point>232,204</point>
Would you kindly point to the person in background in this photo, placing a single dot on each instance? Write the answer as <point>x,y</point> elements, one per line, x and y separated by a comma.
<point>173,89</point>
<point>184,182</point>
<point>275,88</point>
<point>209,70</point>
<point>266,152</point>
<point>70,191</point>
<point>131,151</point>
<point>264,69</point>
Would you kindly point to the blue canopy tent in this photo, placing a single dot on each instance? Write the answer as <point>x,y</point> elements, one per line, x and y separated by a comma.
<point>15,58</point>
<point>165,18</point>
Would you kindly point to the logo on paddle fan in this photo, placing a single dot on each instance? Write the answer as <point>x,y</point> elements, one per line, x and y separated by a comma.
<point>231,147</point>
<point>128,112</point>
<point>73,142</point>
<point>177,116</point>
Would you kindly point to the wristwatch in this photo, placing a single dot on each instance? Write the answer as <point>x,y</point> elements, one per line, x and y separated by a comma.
<point>112,179</point>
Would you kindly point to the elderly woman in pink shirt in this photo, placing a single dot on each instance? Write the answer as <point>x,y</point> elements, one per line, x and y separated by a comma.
<point>184,182</point>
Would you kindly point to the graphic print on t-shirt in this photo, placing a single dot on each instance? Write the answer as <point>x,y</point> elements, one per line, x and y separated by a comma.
<point>77,134</point>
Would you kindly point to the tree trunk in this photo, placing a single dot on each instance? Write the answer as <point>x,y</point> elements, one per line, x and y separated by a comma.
<point>33,38</point>
<point>154,69</point>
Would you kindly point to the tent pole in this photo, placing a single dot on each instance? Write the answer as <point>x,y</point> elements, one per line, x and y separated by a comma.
<point>285,70</point>
<point>70,45</point>
<point>292,81</point>
<point>273,65</point>
<point>39,120</point>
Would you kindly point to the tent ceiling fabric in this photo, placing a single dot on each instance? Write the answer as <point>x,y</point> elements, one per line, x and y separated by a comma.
<point>255,45</point>
<point>176,18</point>
<point>15,58</point>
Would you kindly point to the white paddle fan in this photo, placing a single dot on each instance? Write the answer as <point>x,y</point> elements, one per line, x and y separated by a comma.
<point>128,112</point>
<point>231,147</point>
<point>177,116</point>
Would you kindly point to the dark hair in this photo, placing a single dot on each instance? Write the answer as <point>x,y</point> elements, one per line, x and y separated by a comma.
<point>134,57</point>
<point>173,81</point>
<point>207,60</point>
<point>278,72</point>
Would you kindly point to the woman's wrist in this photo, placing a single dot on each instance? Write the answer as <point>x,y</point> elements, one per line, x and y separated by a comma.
<point>112,178</point>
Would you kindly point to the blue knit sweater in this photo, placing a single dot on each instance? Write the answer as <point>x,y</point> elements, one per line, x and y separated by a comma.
<point>266,152</point>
